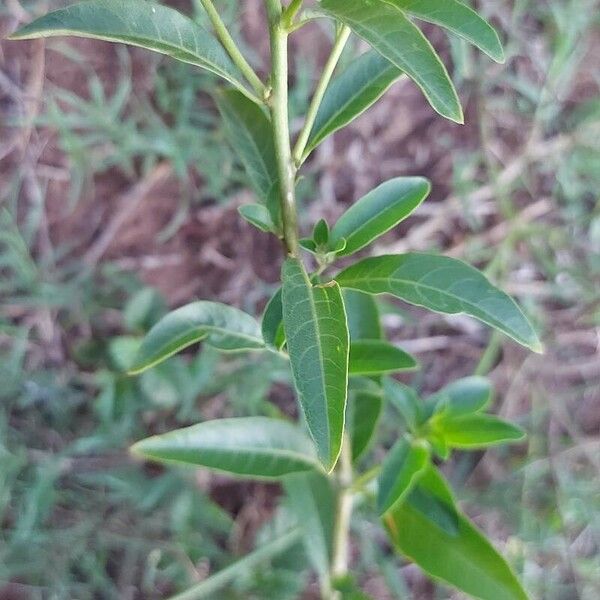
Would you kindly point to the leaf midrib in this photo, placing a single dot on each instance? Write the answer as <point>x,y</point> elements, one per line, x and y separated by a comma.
<point>315,320</point>
<point>366,223</point>
<point>266,172</point>
<point>390,47</point>
<point>139,41</point>
<point>197,338</point>
<point>250,450</point>
<point>318,136</point>
<point>463,560</point>
<point>409,282</point>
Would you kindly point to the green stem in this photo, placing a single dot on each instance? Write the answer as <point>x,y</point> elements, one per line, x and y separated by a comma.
<point>336,52</point>
<point>232,49</point>
<point>341,531</point>
<point>289,14</point>
<point>278,102</point>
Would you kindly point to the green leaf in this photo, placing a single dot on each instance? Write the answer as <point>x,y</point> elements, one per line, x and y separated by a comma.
<point>402,468</point>
<point>219,325</point>
<point>461,557</point>
<point>254,447</point>
<point>317,340</point>
<point>363,316</point>
<point>459,19</point>
<point>477,431</point>
<point>444,285</point>
<point>309,245</point>
<point>406,401</point>
<point>351,93</point>
<point>463,397</point>
<point>272,322</point>
<point>375,357</point>
<point>395,37</point>
<point>433,498</point>
<point>363,413</point>
<point>378,212</point>
<point>321,233</point>
<point>259,216</point>
<point>250,134</point>
<point>439,445</point>
<point>369,385</point>
<point>138,23</point>
<point>312,500</point>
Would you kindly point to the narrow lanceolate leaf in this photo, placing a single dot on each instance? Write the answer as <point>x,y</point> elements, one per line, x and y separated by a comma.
<point>403,466</point>
<point>477,431</point>
<point>253,447</point>
<point>433,499</point>
<point>351,93</point>
<point>257,215</point>
<point>378,212</point>
<point>463,397</point>
<point>459,555</point>
<point>139,23</point>
<point>457,18</point>
<point>444,285</point>
<point>375,357</point>
<point>219,325</point>
<point>272,322</point>
<point>312,500</point>
<point>406,401</point>
<point>394,36</point>
<point>363,316</point>
<point>317,340</point>
<point>364,410</point>
<point>250,134</point>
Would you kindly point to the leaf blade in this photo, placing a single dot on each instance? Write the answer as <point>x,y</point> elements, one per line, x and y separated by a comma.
<point>312,500</point>
<point>464,397</point>
<point>254,447</point>
<point>351,93</point>
<point>363,316</point>
<point>364,412</point>
<point>272,322</point>
<point>375,357</point>
<point>258,216</point>
<point>378,212</point>
<point>478,431</point>
<point>396,38</point>
<point>405,463</point>
<point>250,134</point>
<point>406,402</point>
<point>459,19</point>
<point>138,23</point>
<point>444,285</point>
<point>224,327</point>
<point>459,555</point>
<point>318,344</point>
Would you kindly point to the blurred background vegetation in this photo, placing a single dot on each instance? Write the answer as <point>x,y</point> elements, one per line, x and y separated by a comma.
<point>118,200</point>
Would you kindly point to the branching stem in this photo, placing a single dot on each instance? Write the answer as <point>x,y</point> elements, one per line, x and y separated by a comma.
<point>278,103</point>
<point>231,47</point>
<point>336,52</point>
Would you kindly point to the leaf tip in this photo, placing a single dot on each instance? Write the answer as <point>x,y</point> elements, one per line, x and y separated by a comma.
<point>15,35</point>
<point>136,369</point>
<point>500,57</point>
<point>137,450</point>
<point>538,347</point>
<point>458,118</point>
